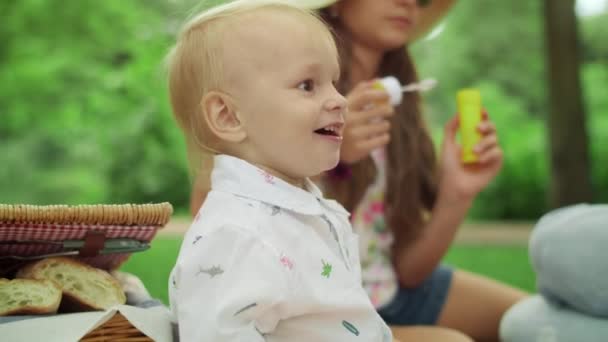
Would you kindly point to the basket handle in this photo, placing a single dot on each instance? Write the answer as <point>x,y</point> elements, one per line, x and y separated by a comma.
<point>94,241</point>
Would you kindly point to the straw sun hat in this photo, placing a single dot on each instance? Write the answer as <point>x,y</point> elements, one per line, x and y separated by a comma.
<point>430,14</point>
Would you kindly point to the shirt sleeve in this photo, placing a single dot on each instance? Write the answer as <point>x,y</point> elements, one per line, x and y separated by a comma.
<point>229,285</point>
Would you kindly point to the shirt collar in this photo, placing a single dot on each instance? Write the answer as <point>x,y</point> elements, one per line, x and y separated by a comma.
<point>240,178</point>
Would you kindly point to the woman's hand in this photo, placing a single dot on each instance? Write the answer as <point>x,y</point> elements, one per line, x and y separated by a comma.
<point>367,125</point>
<point>464,181</point>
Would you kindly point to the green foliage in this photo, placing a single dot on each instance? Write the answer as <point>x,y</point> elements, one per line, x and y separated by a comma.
<point>595,81</point>
<point>494,41</point>
<point>500,52</point>
<point>594,31</point>
<point>85,117</point>
<point>519,191</point>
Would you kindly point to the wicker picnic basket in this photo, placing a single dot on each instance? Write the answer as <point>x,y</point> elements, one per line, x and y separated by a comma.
<point>117,328</point>
<point>28,231</point>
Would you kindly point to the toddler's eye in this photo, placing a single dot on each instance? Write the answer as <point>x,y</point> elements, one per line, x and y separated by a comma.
<point>307,85</point>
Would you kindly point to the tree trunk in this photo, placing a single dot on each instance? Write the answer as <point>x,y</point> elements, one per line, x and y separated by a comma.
<point>570,169</point>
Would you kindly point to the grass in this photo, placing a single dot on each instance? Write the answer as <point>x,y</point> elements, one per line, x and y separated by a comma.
<point>505,263</point>
<point>154,265</point>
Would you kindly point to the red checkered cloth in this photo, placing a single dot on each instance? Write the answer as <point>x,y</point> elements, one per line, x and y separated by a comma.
<point>18,231</point>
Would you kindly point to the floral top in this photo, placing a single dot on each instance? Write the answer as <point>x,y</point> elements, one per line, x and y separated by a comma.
<point>375,238</point>
<point>267,261</point>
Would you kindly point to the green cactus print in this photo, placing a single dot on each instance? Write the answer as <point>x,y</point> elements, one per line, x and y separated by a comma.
<point>326,269</point>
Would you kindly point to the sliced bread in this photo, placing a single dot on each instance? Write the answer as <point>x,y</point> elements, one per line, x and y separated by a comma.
<point>84,287</point>
<point>28,297</point>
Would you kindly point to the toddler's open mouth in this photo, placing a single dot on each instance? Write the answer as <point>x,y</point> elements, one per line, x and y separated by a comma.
<point>334,129</point>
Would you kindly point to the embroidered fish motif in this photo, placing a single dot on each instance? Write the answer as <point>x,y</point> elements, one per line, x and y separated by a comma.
<point>212,272</point>
<point>275,210</point>
<point>246,308</point>
<point>260,332</point>
<point>350,327</point>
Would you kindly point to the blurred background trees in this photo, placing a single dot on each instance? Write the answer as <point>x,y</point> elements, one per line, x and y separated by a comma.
<point>84,116</point>
<point>566,121</point>
<point>505,49</point>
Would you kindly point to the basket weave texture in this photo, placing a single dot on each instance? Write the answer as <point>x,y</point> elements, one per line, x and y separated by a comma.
<point>117,328</point>
<point>57,223</point>
<point>95,214</point>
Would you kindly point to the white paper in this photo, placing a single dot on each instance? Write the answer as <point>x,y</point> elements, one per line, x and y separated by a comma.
<point>153,322</point>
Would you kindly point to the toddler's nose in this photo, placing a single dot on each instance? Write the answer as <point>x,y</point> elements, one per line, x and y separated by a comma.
<point>337,103</point>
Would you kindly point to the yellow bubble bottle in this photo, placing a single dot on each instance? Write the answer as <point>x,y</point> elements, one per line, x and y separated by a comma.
<point>469,109</point>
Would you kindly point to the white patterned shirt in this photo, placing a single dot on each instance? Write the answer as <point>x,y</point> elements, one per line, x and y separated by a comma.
<point>267,261</point>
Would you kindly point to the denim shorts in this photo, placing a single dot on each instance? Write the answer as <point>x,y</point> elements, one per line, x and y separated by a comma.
<point>421,305</point>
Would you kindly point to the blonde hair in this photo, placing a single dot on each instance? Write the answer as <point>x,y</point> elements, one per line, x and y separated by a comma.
<point>195,67</point>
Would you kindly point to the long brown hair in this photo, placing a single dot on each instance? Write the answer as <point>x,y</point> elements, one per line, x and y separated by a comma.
<point>411,175</point>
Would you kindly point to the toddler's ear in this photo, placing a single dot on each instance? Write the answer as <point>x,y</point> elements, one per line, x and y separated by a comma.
<point>221,117</point>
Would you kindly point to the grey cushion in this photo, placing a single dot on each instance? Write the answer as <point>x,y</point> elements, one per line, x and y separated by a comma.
<point>537,320</point>
<point>569,252</point>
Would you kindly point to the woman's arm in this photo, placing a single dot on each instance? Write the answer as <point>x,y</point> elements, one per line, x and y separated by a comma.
<point>458,186</point>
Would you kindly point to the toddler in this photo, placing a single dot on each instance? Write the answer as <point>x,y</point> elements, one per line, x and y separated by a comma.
<point>267,258</point>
